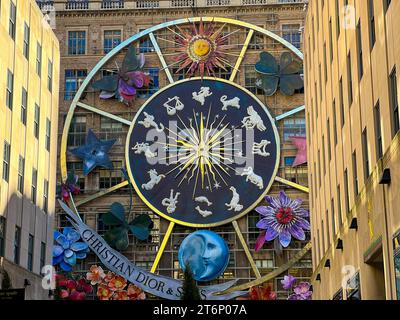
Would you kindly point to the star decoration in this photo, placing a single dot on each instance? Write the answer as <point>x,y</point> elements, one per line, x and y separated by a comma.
<point>94,153</point>
<point>301,145</point>
<point>217,185</point>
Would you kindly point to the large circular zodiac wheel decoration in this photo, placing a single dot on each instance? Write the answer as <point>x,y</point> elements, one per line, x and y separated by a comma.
<point>202,151</point>
<point>196,172</point>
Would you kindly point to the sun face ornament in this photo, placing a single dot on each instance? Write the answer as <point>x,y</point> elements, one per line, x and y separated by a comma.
<point>202,49</point>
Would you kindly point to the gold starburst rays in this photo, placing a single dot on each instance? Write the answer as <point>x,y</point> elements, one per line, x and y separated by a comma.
<point>201,48</point>
<point>202,151</point>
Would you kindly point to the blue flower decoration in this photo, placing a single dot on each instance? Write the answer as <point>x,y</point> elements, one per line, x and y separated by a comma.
<point>68,249</point>
<point>286,75</point>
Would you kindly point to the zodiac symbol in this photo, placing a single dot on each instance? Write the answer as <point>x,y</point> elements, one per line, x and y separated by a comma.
<point>203,200</point>
<point>144,147</point>
<point>178,106</point>
<point>204,213</point>
<point>155,178</point>
<point>149,122</point>
<point>202,95</point>
<point>171,202</point>
<point>234,103</point>
<point>234,204</point>
<point>259,148</point>
<point>253,120</point>
<point>254,179</point>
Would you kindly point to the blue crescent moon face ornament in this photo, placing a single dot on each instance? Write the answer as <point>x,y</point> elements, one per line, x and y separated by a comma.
<point>206,253</point>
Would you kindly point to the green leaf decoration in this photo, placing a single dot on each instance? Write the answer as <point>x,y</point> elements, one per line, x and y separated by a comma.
<point>140,227</point>
<point>117,236</point>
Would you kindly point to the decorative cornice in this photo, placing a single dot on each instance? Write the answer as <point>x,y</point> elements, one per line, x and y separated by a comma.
<point>259,9</point>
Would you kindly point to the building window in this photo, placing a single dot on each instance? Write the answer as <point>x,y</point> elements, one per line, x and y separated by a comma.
<point>330,40</point>
<point>289,161</point>
<point>154,85</point>
<point>256,42</point>
<point>110,130</point>
<point>353,291</point>
<point>112,38</point>
<point>17,244</point>
<point>339,205</point>
<point>38,59</point>
<point>2,235</point>
<point>42,255</point>
<point>13,20</point>
<point>394,102</point>
<point>21,172</point>
<point>36,122</point>
<point>338,20</point>
<point>250,78</point>
<point>48,133</point>
<point>328,128</point>
<point>26,41</point>
<point>364,143</point>
<point>24,105</point>
<point>291,33</point>
<point>360,52</point>
<point>76,42</point>
<point>73,80</point>
<point>349,80</point>
<point>101,226</point>
<point>387,4</point>
<point>31,244</point>
<point>50,76</point>
<point>77,131</point>
<point>6,161</point>
<point>346,191</point>
<point>77,168</point>
<point>371,17</point>
<point>110,178</point>
<point>46,196</point>
<point>335,130</point>
<point>333,217</point>
<point>10,89</point>
<point>34,186</point>
<point>355,174</point>
<point>342,118</point>
<point>294,127</point>
<point>145,44</point>
<point>378,131</point>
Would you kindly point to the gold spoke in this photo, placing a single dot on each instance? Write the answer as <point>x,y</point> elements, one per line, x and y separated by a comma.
<point>103,113</point>
<point>246,249</point>
<point>241,56</point>
<point>162,247</point>
<point>102,193</point>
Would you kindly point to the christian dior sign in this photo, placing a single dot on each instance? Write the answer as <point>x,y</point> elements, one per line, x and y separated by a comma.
<point>164,287</point>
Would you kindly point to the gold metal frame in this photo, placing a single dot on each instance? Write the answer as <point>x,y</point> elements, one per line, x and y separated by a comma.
<point>150,32</point>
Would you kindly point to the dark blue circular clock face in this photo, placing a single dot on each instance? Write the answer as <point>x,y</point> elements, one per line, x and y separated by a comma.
<point>202,152</point>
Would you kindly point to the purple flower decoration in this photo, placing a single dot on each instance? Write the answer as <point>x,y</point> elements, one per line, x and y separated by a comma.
<point>125,83</point>
<point>69,187</point>
<point>302,292</point>
<point>283,218</point>
<point>288,282</point>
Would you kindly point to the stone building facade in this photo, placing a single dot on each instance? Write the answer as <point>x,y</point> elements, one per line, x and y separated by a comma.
<point>88,29</point>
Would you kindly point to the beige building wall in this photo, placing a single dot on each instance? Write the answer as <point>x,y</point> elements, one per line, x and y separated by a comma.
<point>17,208</point>
<point>355,219</point>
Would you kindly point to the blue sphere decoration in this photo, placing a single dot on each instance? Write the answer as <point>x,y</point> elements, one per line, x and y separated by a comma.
<point>206,253</point>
